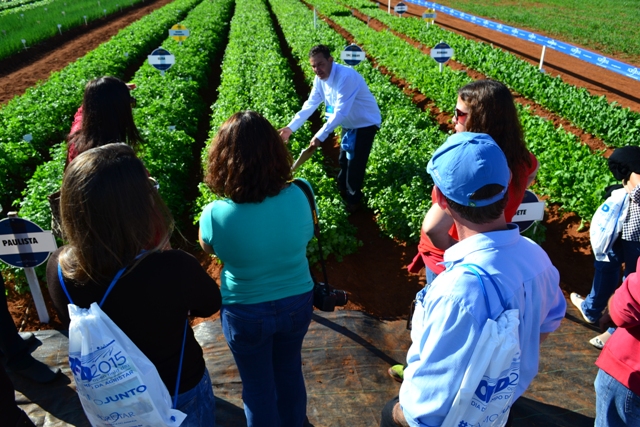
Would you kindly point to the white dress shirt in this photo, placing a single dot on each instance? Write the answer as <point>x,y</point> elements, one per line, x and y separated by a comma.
<point>346,91</point>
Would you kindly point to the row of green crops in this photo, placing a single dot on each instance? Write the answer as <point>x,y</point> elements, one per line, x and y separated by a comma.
<point>569,173</point>
<point>13,6</point>
<point>607,25</point>
<point>397,185</point>
<point>255,75</point>
<point>616,126</point>
<point>163,101</point>
<point>45,110</point>
<point>35,24</point>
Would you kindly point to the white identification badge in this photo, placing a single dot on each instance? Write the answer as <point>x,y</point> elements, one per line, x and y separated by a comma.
<point>329,112</point>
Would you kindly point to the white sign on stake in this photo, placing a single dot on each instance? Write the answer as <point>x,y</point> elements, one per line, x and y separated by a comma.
<point>85,19</point>
<point>400,8</point>
<point>352,55</point>
<point>60,28</point>
<point>105,12</point>
<point>24,43</point>
<point>441,52</point>
<point>24,244</point>
<point>28,137</point>
<point>161,59</point>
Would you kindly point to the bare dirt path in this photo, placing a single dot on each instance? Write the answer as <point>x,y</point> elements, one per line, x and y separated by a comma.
<point>25,69</point>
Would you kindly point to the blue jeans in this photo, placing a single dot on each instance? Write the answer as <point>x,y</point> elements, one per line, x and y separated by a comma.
<point>199,404</point>
<point>266,342</point>
<point>616,405</point>
<point>607,276</point>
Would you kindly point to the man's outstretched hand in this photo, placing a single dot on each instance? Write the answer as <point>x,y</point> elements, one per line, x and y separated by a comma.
<point>285,133</point>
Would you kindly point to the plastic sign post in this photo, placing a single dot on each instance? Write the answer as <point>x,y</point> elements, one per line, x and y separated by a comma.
<point>179,33</point>
<point>85,20</point>
<point>60,28</point>
<point>429,16</point>
<point>24,43</point>
<point>400,8</point>
<point>161,59</point>
<point>352,55</point>
<point>544,49</point>
<point>24,244</point>
<point>442,52</point>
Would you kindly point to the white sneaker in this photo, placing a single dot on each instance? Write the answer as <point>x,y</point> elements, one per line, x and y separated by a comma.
<point>577,300</point>
<point>599,341</point>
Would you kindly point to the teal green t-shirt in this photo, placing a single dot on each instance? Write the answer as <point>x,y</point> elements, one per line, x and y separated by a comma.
<point>263,246</point>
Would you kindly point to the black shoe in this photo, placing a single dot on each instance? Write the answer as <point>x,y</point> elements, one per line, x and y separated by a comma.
<point>35,370</point>
<point>29,340</point>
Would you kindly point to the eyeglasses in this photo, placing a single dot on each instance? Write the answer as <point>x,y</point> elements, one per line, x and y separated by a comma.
<point>457,114</point>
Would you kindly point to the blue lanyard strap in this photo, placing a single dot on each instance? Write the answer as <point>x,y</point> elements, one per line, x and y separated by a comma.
<point>474,269</point>
<point>184,340</point>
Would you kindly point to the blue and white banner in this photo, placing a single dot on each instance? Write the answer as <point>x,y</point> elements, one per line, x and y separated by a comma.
<point>583,54</point>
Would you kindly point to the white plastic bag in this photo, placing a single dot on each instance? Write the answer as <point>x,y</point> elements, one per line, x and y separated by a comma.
<point>117,384</point>
<point>491,378</point>
<point>606,223</point>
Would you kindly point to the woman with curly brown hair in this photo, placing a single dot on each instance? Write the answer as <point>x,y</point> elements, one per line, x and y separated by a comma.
<point>260,230</point>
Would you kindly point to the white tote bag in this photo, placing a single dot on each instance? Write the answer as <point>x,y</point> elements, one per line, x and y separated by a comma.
<point>491,377</point>
<point>117,384</point>
<point>607,222</point>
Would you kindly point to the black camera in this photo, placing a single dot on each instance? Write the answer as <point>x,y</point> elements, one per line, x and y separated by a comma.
<point>326,298</point>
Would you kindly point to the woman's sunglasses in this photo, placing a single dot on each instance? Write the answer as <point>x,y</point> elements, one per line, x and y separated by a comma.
<point>457,114</point>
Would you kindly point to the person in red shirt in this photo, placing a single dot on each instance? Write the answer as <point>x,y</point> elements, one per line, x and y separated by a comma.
<point>617,384</point>
<point>105,116</point>
<point>483,106</point>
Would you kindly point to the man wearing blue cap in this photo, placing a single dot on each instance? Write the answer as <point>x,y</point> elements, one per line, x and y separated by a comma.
<point>471,176</point>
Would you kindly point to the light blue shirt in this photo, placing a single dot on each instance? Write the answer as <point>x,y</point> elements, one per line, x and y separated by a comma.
<point>451,313</point>
<point>263,246</point>
<point>346,91</point>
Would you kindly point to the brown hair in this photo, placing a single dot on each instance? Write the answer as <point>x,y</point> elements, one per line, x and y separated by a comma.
<point>492,111</point>
<point>106,115</point>
<point>247,160</point>
<point>320,49</point>
<point>110,213</point>
<point>481,214</point>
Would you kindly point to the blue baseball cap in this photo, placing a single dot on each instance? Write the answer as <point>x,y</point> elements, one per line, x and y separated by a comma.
<point>465,163</point>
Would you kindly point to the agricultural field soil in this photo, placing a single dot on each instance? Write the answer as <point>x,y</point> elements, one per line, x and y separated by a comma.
<point>375,277</point>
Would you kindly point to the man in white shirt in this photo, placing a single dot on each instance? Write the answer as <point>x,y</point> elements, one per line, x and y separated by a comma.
<point>471,176</point>
<point>348,103</point>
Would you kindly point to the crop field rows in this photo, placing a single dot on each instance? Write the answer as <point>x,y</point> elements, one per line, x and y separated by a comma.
<point>265,47</point>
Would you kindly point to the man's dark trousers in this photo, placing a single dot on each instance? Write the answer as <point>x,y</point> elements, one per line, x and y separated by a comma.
<point>352,170</point>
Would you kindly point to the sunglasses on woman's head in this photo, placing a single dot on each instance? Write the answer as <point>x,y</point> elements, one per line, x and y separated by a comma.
<point>457,114</point>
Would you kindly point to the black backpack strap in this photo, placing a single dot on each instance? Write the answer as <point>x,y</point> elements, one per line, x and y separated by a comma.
<point>316,225</point>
